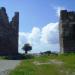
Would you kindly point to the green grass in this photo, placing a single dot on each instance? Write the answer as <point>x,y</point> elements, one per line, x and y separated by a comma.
<point>2,57</point>
<point>27,67</point>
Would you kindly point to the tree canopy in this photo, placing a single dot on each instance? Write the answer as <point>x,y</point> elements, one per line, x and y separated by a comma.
<point>27,47</point>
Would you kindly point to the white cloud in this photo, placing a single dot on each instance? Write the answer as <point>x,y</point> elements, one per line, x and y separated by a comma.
<point>58,9</point>
<point>34,35</point>
<point>42,39</point>
<point>22,40</point>
<point>49,32</point>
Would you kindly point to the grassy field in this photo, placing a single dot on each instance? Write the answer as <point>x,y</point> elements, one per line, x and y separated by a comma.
<point>61,65</point>
<point>2,57</point>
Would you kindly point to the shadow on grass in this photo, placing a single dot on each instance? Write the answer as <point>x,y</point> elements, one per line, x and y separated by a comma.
<point>17,57</point>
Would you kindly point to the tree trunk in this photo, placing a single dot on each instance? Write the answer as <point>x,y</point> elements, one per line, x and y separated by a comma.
<point>26,52</point>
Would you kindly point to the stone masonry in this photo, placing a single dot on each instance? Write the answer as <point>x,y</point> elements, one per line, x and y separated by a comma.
<point>8,33</point>
<point>67,31</point>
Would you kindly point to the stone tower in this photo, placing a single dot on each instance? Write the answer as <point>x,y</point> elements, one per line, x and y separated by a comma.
<point>67,31</point>
<point>8,33</point>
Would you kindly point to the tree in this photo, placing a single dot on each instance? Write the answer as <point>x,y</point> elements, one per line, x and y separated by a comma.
<point>27,47</point>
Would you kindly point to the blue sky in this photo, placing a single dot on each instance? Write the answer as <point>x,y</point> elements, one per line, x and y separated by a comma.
<point>35,16</point>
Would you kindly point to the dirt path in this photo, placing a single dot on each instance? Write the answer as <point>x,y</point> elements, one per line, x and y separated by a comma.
<point>54,61</point>
<point>7,65</point>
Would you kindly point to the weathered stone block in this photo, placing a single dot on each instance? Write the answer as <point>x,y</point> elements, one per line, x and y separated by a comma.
<point>8,33</point>
<point>67,31</point>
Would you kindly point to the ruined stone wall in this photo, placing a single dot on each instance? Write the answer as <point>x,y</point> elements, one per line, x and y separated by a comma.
<point>67,31</point>
<point>8,33</point>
